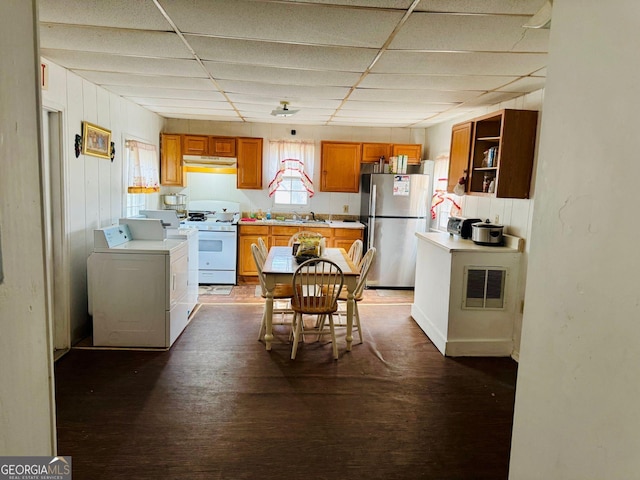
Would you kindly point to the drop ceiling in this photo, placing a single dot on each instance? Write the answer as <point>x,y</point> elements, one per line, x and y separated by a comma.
<point>387,63</point>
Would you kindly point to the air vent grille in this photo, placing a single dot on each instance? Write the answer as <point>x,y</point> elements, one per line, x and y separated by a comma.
<point>484,288</point>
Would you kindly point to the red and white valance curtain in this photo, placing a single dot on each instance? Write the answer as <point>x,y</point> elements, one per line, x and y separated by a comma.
<point>142,176</point>
<point>296,156</point>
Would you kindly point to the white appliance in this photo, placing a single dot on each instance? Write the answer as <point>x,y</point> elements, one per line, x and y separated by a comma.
<point>137,286</point>
<point>171,222</point>
<point>217,240</point>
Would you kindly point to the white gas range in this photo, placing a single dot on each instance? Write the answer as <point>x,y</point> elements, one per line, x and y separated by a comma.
<point>217,242</point>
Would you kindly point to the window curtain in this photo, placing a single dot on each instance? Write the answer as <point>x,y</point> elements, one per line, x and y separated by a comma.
<point>440,195</point>
<point>294,155</point>
<point>143,167</point>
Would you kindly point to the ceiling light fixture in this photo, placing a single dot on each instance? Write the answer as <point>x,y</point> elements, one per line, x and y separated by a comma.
<point>283,111</point>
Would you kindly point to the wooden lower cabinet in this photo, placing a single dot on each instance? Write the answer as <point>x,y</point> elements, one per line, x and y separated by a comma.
<point>278,236</point>
<point>344,237</point>
<point>249,234</point>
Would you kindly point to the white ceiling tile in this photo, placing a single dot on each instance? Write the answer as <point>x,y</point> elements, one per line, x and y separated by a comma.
<point>424,96</point>
<point>124,64</point>
<point>196,115</point>
<point>179,102</point>
<point>512,7</point>
<point>312,53</point>
<point>281,76</point>
<point>274,21</point>
<point>261,102</point>
<point>492,98</point>
<point>388,106</point>
<point>511,64</point>
<point>112,13</point>
<point>250,52</point>
<point>524,85</point>
<point>282,91</point>
<point>130,91</point>
<point>425,31</point>
<point>434,82</point>
<point>122,42</point>
<point>108,78</point>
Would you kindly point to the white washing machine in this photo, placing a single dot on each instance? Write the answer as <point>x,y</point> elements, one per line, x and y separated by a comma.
<point>137,286</point>
<point>173,229</point>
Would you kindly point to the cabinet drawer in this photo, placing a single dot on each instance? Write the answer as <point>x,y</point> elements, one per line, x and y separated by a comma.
<point>281,230</point>
<point>254,230</point>
<point>347,233</point>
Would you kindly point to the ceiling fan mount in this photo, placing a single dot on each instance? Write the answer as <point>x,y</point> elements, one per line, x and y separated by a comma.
<point>283,110</point>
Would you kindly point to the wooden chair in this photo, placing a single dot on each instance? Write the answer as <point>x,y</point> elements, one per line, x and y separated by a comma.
<point>365,265</point>
<point>263,248</point>
<point>316,284</point>
<point>355,252</point>
<point>282,295</point>
<point>297,236</point>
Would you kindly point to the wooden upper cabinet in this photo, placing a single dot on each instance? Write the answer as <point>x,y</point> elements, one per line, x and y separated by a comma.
<point>459,153</point>
<point>412,151</point>
<point>222,146</point>
<point>371,152</point>
<point>171,173</point>
<point>497,150</point>
<point>249,163</point>
<point>512,136</point>
<point>195,145</point>
<point>340,167</point>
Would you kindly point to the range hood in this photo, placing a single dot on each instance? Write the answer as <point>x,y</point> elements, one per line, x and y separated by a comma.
<point>206,164</point>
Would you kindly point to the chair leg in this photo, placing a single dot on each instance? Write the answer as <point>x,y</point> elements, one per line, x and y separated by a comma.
<point>356,315</point>
<point>297,320</point>
<point>334,344</point>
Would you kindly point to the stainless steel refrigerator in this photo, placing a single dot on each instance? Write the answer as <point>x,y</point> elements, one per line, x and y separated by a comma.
<point>393,208</point>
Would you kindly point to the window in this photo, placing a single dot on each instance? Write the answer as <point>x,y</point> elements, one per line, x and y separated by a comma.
<point>291,171</point>
<point>443,204</point>
<point>142,175</point>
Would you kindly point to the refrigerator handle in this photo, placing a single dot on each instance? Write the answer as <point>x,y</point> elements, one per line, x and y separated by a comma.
<point>372,215</point>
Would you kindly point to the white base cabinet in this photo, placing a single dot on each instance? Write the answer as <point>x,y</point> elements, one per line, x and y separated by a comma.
<point>466,294</point>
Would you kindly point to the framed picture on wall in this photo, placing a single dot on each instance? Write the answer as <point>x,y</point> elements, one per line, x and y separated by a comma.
<point>96,141</point>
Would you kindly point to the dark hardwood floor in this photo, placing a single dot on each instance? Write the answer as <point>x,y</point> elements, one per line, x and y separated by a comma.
<point>219,406</point>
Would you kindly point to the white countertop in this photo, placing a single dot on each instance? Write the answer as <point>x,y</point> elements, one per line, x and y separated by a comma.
<point>454,243</point>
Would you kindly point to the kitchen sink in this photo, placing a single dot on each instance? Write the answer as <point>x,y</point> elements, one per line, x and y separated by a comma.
<point>314,221</point>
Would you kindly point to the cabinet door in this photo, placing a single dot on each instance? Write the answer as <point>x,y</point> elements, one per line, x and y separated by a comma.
<point>222,146</point>
<point>195,145</point>
<point>412,151</point>
<point>249,234</point>
<point>340,167</point>
<point>171,173</point>
<point>371,152</point>
<point>344,237</point>
<point>459,154</point>
<point>249,163</point>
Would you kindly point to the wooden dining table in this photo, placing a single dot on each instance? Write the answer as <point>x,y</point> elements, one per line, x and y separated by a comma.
<point>280,267</point>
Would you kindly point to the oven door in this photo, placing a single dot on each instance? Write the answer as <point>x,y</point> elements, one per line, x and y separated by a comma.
<point>217,250</point>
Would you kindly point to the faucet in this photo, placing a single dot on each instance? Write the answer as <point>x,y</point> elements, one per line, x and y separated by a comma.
<point>313,216</point>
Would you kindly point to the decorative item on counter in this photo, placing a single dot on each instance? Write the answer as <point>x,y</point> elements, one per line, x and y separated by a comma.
<point>269,214</point>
